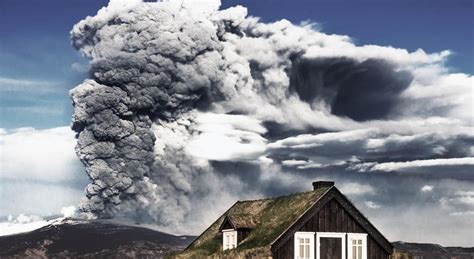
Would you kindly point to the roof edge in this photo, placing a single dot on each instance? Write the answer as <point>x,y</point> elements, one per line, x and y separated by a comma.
<point>223,214</point>
<point>368,221</point>
<point>228,219</point>
<point>304,213</point>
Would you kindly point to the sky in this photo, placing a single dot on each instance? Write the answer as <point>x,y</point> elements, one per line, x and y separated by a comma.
<point>400,146</point>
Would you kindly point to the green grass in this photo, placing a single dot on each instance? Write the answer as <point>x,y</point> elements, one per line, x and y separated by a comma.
<point>274,217</point>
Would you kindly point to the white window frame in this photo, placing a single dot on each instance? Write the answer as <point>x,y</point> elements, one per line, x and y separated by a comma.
<point>299,235</point>
<point>342,236</point>
<point>224,239</point>
<point>357,236</point>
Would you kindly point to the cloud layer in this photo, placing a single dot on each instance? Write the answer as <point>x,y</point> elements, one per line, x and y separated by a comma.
<point>39,171</point>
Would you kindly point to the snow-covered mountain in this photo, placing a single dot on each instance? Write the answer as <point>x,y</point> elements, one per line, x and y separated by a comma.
<point>90,239</point>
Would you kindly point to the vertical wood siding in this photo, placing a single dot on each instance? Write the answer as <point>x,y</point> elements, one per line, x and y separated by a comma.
<point>332,217</point>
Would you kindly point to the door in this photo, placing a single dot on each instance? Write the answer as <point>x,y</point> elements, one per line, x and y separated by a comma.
<point>330,248</point>
<point>330,245</point>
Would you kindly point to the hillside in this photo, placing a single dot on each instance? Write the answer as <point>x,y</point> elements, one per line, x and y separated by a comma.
<point>431,251</point>
<point>91,239</point>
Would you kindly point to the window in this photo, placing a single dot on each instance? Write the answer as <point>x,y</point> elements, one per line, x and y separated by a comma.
<point>229,239</point>
<point>304,245</point>
<point>357,246</point>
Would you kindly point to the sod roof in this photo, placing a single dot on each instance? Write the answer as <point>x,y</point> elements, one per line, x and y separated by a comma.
<point>268,219</point>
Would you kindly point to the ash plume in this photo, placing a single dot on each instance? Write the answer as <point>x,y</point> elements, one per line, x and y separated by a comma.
<point>182,94</point>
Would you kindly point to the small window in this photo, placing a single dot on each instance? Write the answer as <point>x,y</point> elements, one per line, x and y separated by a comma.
<point>357,246</point>
<point>304,245</point>
<point>229,237</point>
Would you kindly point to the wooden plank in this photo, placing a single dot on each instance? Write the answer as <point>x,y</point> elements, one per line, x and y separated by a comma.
<point>344,220</point>
<point>316,223</point>
<point>339,218</point>
<point>327,217</point>
<point>321,221</point>
<point>350,224</point>
<point>333,216</point>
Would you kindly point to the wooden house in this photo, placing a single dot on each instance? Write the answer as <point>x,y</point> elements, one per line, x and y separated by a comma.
<point>319,224</point>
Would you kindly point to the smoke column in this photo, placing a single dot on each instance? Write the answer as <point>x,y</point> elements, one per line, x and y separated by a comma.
<point>182,93</point>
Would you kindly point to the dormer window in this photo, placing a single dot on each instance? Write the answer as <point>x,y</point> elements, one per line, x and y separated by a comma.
<point>229,239</point>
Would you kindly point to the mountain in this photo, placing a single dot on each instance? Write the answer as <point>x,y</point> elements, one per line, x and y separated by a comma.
<point>91,239</point>
<point>73,238</point>
<point>431,251</point>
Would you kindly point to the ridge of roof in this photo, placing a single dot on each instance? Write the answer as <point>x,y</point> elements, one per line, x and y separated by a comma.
<point>276,197</point>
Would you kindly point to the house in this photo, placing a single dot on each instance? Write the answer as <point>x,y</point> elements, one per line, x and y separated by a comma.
<point>319,224</point>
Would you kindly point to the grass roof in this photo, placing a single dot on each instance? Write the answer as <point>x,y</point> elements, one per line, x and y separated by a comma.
<point>271,217</point>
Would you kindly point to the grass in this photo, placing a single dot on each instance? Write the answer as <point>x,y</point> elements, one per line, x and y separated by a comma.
<point>274,216</point>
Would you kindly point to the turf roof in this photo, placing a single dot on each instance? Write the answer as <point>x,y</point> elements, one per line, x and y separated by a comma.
<point>271,217</point>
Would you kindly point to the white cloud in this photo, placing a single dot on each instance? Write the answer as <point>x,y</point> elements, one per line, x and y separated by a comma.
<point>294,162</point>
<point>357,189</point>
<point>195,6</point>
<point>79,67</point>
<point>35,109</point>
<point>439,90</point>
<point>36,198</point>
<point>394,166</point>
<point>427,188</point>
<point>13,85</point>
<point>227,137</point>
<point>469,213</point>
<point>39,171</point>
<point>308,140</point>
<point>68,211</point>
<point>372,205</point>
<point>43,155</point>
<point>341,48</point>
<point>465,197</point>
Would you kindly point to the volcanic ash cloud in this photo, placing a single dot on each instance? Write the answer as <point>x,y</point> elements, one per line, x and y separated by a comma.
<point>182,96</point>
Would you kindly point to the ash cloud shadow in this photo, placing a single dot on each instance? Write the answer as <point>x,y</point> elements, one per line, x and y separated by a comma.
<point>362,91</point>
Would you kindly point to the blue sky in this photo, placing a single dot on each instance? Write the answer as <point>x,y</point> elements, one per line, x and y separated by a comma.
<point>38,65</point>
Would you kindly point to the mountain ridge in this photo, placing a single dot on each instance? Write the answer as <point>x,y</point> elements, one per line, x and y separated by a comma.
<point>90,239</point>
<point>96,238</point>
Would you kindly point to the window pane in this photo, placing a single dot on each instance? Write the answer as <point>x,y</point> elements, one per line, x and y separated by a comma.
<point>306,240</point>
<point>360,242</point>
<point>354,241</point>
<point>360,252</point>
<point>307,251</point>
<point>301,251</point>
<point>354,254</point>
<point>300,240</point>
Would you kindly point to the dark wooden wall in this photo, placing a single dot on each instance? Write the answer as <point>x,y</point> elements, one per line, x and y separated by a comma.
<point>332,217</point>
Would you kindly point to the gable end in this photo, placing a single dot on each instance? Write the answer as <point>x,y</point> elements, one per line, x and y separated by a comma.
<point>227,224</point>
<point>333,193</point>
